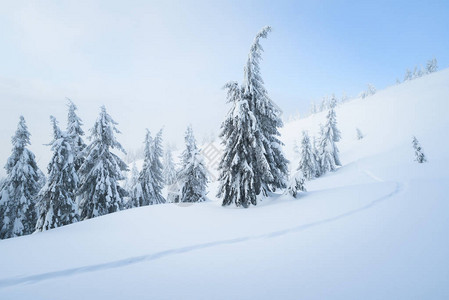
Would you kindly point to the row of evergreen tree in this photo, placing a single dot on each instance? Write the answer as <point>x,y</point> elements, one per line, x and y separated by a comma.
<point>316,160</point>
<point>83,180</point>
<point>325,103</point>
<point>431,67</point>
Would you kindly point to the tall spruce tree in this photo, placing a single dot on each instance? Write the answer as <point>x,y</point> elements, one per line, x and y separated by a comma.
<point>271,169</point>
<point>75,132</point>
<point>238,182</point>
<point>330,134</point>
<point>307,162</point>
<point>150,183</point>
<point>101,170</point>
<point>56,206</point>
<point>193,173</point>
<point>20,188</point>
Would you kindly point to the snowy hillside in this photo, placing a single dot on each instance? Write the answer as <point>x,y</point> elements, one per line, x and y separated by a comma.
<point>376,228</point>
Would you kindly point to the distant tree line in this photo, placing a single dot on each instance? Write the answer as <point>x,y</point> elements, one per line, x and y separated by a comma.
<point>324,104</point>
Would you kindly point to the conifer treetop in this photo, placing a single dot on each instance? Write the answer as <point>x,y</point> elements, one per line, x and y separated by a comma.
<point>22,136</point>
<point>104,133</point>
<point>74,123</point>
<point>252,79</point>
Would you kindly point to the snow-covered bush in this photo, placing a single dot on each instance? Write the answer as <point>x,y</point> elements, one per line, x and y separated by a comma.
<point>419,154</point>
<point>296,184</point>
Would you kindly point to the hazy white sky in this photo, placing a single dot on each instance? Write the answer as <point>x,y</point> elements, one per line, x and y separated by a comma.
<point>163,63</point>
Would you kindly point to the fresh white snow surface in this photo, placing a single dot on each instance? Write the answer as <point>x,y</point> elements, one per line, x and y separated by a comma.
<point>377,228</point>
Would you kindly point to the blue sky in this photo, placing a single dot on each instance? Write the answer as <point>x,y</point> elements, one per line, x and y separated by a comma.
<point>163,63</point>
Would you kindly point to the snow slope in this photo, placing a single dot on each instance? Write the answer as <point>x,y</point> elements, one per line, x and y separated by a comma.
<point>377,228</point>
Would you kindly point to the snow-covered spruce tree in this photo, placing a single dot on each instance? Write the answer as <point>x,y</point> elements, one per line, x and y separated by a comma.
<point>359,134</point>
<point>421,72</point>
<point>238,183</point>
<point>169,167</point>
<point>151,181</point>
<point>56,201</point>
<point>408,75</point>
<point>101,170</point>
<point>193,174</point>
<point>296,184</point>
<point>432,66</point>
<point>415,73</point>
<point>75,132</point>
<point>271,169</point>
<point>133,178</point>
<point>370,90</point>
<point>333,101</point>
<point>419,155</point>
<point>158,168</point>
<point>21,186</point>
<point>329,157</point>
<point>316,155</point>
<point>307,163</point>
<point>131,182</point>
